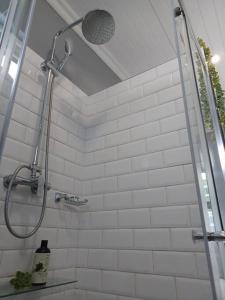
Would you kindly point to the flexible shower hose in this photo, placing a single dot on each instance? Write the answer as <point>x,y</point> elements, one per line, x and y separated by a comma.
<point>14,175</point>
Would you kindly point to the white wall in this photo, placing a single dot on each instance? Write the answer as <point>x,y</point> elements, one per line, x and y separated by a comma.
<point>66,145</point>
<point>136,240</point>
<point>126,150</point>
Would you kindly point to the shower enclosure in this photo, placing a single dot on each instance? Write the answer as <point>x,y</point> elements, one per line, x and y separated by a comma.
<point>207,145</point>
<point>125,150</point>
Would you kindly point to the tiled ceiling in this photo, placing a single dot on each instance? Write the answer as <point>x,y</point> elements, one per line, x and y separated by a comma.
<point>144,30</point>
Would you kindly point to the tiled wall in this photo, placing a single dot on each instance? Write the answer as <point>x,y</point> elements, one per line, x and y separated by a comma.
<point>126,150</point>
<point>60,224</point>
<point>135,241</point>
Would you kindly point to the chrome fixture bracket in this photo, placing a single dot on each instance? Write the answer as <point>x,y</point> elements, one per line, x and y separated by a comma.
<point>72,200</point>
<point>218,236</point>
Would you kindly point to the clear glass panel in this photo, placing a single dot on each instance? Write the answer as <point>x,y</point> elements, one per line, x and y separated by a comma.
<point>11,53</point>
<point>197,129</point>
<point>4,9</point>
<point>6,289</point>
<point>199,99</point>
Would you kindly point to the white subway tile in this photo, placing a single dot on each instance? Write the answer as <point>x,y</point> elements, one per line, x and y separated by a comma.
<point>118,112</point>
<point>176,216</point>
<point>149,197</point>
<point>189,173</point>
<point>157,84</point>
<point>145,131</point>
<point>202,266</point>
<point>174,263</point>
<point>135,261</point>
<point>144,103</point>
<point>181,194</point>
<point>193,289</point>
<point>62,183</point>
<point>117,138</point>
<point>162,142</point>
<point>89,238</point>
<point>99,296</point>
<point>134,218</point>
<point>179,105</point>
<point>15,260</point>
<point>160,112</point>
<point>118,282</point>
<point>147,162</point>
<point>118,167</point>
<point>16,131</point>
<point>89,279</point>
<point>131,121</point>
<point>102,259</point>
<point>171,93</point>
<point>58,259</point>
<point>195,216</point>
<point>104,185</point>
<point>103,219</point>
<point>118,200</point>
<point>173,123</point>
<point>18,151</point>
<point>152,239</point>
<point>7,241</point>
<point>183,137</point>
<point>177,156</point>
<point>131,149</point>
<point>59,134</point>
<point>82,257</point>
<point>117,239</point>
<point>155,287</point>
<point>64,151</point>
<point>56,164</point>
<point>67,238</point>
<point>166,176</point>
<point>105,155</point>
<point>93,172</point>
<point>95,202</point>
<point>181,239</point>
<point>133,181</point>
<point>130,95</point>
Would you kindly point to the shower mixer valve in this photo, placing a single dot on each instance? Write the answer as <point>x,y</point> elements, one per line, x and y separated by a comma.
<point>33,181</point>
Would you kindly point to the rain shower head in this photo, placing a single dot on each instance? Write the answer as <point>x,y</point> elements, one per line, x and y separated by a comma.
<point>98,26</point>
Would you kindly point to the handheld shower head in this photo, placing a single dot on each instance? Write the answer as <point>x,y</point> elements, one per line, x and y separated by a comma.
<point>98,26</point>
<point>68,47</point>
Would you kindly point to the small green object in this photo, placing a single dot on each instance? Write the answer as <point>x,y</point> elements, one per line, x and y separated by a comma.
<point>21,280</point>
<point>216,84</point>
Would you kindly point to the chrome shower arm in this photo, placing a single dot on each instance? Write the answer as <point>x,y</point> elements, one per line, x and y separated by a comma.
<point>64,29</point>
<point>59,33</point>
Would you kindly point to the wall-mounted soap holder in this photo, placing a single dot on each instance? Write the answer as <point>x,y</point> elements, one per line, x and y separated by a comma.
<point>72,200</point>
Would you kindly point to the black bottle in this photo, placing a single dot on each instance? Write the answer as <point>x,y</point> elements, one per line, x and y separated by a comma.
<point>40,264</point>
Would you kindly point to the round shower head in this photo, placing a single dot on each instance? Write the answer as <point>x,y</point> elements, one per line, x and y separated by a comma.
<point>98,26</point>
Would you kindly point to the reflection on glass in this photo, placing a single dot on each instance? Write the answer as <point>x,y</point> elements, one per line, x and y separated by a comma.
<point>4,8</point>
<point>198,126</point>
<point>13,23</point>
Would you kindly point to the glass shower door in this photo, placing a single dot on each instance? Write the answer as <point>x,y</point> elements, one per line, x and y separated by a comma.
<point>15,20</point>
<point>207,147</point>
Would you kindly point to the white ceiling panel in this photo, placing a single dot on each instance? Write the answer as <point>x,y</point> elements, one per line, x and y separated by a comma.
<point>143,32</point>
<point>144,36</point>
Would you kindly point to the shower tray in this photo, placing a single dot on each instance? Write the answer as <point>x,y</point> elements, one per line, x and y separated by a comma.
<point>6,289</point>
